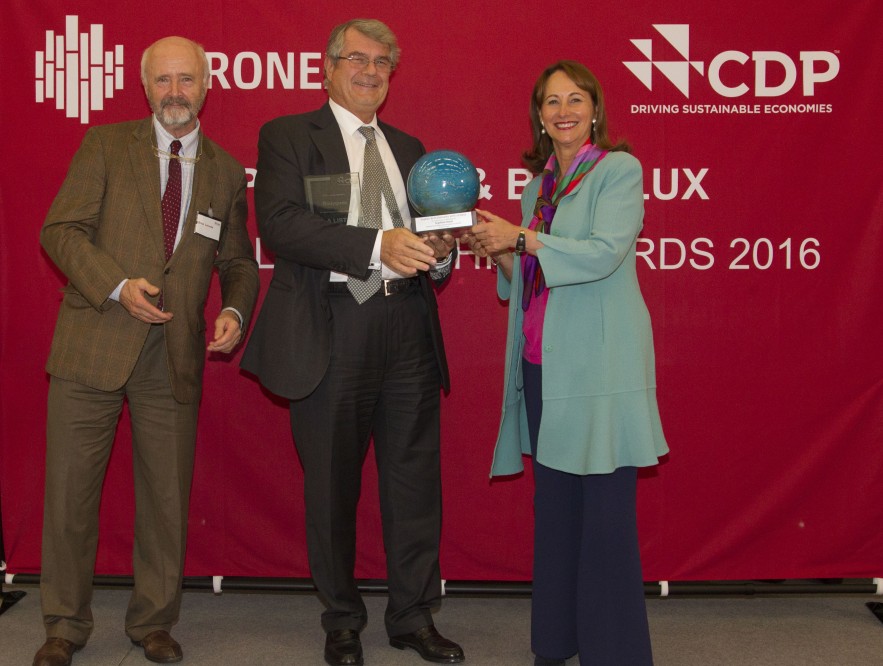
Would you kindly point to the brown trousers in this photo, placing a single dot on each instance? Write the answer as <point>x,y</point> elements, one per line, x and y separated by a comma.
<point>81,426</point>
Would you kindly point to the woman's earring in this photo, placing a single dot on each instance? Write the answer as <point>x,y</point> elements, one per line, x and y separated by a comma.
<point>542,129</point>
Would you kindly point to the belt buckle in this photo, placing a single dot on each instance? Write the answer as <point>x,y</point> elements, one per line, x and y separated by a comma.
<point>386,289</point>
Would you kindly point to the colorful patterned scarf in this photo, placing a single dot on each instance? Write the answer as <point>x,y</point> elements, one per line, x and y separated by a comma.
<point>550,195</point>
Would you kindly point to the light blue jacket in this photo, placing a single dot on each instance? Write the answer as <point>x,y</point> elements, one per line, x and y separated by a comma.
<point>599,376</point>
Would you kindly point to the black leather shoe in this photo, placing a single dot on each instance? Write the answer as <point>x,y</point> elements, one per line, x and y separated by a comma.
<point>343,648</point>
<point>431,645</point>
<point>546,661</point>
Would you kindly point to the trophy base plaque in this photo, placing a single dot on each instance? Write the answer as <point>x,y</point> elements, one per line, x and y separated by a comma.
<point>446,222</point>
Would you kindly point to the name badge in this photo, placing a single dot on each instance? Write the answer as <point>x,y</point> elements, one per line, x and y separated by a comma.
<point>208,226</point>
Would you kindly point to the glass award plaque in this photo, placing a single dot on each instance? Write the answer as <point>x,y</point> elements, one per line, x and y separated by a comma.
<point>336,197</point>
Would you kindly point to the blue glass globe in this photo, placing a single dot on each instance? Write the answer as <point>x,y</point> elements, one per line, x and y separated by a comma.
<point>443,182</point>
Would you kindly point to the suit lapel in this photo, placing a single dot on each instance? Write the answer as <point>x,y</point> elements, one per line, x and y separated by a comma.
<point>404,161</point>
<point>204,175</point>
<point>396,149</point>
<point>325,134</point>
<point>145,168</point>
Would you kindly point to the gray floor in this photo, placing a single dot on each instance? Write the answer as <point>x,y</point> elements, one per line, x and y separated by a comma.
<point>281,628</point>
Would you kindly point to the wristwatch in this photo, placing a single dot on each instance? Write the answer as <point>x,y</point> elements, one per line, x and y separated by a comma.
<point>521,243</point>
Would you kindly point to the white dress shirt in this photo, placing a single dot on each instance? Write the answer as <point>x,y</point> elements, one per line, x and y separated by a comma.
<point>189,150</point>
<point>355,143</point>
<point>189,147</point>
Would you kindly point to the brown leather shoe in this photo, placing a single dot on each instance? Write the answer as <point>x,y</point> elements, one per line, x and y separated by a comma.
<point>160,647</point>
<point>430,645</point>
<point>56,652</point>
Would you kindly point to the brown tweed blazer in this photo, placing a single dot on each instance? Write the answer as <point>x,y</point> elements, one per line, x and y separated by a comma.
<point>105,225</point>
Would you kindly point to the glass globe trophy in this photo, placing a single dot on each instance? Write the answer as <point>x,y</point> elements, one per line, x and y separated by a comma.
<point>443,186</point>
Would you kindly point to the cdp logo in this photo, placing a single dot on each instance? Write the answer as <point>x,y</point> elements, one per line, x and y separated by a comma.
<point>76,71</point>
<point>816,67</point>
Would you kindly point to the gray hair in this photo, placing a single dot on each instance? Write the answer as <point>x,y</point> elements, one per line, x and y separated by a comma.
<point>372,29</point>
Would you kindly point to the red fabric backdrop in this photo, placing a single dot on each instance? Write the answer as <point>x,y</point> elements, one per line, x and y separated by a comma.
<point>758,125</point>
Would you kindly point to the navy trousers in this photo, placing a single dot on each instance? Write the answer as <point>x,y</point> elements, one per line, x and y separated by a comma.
<point>588,591</point>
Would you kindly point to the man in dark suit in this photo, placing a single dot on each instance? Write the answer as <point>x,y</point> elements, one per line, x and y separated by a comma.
<point>147,212</point>
<point>349,333</point>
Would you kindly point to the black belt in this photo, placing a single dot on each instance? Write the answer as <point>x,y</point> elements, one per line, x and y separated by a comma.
<point>387,287</point>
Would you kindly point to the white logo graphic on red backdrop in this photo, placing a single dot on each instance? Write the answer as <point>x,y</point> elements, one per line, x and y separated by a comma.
<point>676,71</point>
<point>761,73</point>
<point>76,71</point>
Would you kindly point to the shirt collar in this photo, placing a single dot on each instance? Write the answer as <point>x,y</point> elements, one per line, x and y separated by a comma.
<point>189,142</point>
<point>349,122</point>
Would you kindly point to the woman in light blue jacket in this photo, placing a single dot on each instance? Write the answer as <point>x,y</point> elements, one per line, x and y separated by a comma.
<point>580,383</point>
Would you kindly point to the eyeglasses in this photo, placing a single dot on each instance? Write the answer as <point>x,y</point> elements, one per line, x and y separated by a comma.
<point>183,160</point>
<point>360,60</point>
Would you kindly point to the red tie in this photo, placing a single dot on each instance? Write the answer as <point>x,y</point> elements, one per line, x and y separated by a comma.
<point>171,201</point>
